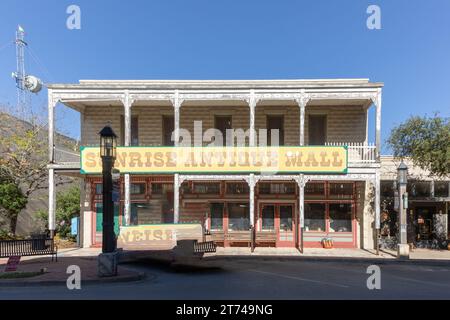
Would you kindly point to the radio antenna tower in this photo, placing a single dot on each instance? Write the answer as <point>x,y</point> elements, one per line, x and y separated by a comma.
<point>24,82</point>
<point>19,75</point>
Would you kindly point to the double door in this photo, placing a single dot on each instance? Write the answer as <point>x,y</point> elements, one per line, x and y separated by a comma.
<point>279,219</point>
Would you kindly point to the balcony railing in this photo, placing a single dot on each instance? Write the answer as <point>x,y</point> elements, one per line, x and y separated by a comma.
<point>358,152</point>
<point>66,157</point>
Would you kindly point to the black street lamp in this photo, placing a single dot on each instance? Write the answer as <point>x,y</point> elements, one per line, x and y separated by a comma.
<point>108,144</point>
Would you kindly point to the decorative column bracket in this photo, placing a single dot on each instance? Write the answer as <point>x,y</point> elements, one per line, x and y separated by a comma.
<point>302,100</point>
<point>252,100</point>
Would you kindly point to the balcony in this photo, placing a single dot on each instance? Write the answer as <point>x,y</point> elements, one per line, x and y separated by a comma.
<point>358,152</point>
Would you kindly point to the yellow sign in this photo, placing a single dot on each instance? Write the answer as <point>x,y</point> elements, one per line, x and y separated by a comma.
<point>285,159</point>
<point>158,236</point>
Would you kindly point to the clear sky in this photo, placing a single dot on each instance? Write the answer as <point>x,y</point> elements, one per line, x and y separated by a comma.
<point>252,39</point>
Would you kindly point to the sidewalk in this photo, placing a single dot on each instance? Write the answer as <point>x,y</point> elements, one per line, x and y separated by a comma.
<point>56,274</point>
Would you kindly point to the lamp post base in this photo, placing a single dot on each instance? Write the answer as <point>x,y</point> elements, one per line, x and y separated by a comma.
<point>107,264</point>
<point>403,251</point>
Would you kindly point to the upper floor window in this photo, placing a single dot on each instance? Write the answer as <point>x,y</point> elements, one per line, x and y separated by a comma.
<point>222,123</point>
<point>275,124</point>
<point>276,188</point>
<point>167,128</point>
<point>441,189</point>
<point>134,131</point>
<point>317,130</point>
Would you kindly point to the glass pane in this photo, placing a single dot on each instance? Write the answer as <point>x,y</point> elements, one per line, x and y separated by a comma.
<point>286,218</point>
<point>314,217</point>
<point>340,217</point>
<point>238,217</point>
<point>268,216</point>
<point>137,188</point>
<point>315,190</point>
<point>216,216</point>
<point>237,188</point>
<point>341,190</point>
<point>207,188</point>
<point>419,189</point>
<point>99,188</point>
<point>441,189</point>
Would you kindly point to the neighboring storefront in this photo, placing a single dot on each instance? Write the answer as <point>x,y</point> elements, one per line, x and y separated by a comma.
<point>428,206</point>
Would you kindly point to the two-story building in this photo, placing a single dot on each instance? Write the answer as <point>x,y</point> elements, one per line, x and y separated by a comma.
<point>287,208</point>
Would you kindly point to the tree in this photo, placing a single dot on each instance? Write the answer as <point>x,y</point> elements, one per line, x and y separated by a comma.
<point>23,149</point>
<point>12,201</point>
<point>67,207</point>
<point>426,140</point>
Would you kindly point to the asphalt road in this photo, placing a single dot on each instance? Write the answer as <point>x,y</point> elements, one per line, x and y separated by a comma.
<point>261,280</point>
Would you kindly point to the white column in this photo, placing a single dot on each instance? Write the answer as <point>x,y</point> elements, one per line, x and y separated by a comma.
<point>252,105</point>
<point>251,184</point>
<point>302,101</point>
<point>176,198</point>
<point>176,102</point>
<point>301,202</point>
<point>127,140</point>
<point>51,126</point>
<point>377,199</point>
<point>378,125</point>
<point>51,201</point>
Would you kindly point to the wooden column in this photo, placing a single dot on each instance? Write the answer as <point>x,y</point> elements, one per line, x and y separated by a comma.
<point>51,202</point>
<point>302,101</point>
<point>51,126</point>
<point>176,102</point>
<point>252,105</point>
<point>377,102</point>
<point>127,102</point>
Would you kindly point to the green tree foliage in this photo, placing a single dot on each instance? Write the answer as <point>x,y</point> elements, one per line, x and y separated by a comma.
<point>12,201</point>
<point>426,140</point>
<point>67,207</point>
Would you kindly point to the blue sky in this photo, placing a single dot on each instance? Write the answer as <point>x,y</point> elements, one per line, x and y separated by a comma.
<point>203,39</point>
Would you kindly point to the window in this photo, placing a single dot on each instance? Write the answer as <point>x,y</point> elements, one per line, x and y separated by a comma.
<point>315,217</point>
<point>315,190</point>
<point>134,131</point>
<point>268,218</point>
<point>419,189</point>
<point>276,188</point>
<point>98,189</point>
<point>137,188</point>
<point>161,188</point>
<point>441,189</point>
<point>340,217</point>
<point>238,217</point>
<point>341,190</point>
<point>168,127</point>
<point>317,130</point>
<point>274,124</point>
<point>237,188</point>
<point>222,123</point>
<point>286,218</point>
<point>207,188</point>
<point>216,216</point>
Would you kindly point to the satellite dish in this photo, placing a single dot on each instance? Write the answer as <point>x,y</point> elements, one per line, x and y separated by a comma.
<point>33,84</point>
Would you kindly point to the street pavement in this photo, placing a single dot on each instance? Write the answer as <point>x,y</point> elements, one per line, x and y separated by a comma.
<point>260,279</point>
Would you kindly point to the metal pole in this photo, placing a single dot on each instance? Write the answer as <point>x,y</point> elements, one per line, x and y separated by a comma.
<point>108,237</point>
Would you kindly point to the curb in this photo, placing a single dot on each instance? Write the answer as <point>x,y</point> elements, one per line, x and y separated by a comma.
<point>425,262</point>
<point>12,283</point>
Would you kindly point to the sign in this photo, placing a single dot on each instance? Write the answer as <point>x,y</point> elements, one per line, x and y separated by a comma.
<point>74,226</point>
<point>157,236</point>
<point>12,263</point>
<point>285,159</point>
